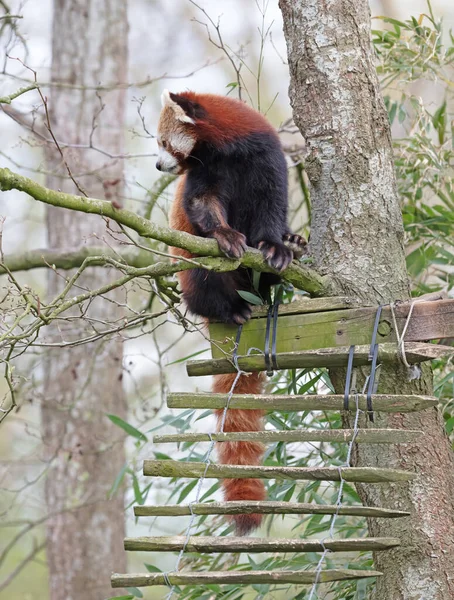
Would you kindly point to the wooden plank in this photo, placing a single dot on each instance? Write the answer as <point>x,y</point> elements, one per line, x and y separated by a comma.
<point>119,580</point>
<point>267,507</point>
<point>174,468</point>
<point>213,544</point>
<point>368,436</point>
<point>416,352</point>
<point>271,402</point>
<point>299,331</point>
<point>307,305</point>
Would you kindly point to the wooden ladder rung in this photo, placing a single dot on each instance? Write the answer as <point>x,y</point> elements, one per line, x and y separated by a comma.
<point>415,352</point>
<point>174,468</point>
<point>381,402</point>
<point>368,436</point>
<point>263,507</point>
<point>213,544</point>
<point>237,577</point>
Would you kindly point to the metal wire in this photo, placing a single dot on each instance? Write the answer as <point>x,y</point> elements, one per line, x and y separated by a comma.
<point>348,377</point>
<point>414,371</point>
<point>272,317</point>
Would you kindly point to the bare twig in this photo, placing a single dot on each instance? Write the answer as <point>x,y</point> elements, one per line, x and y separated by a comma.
<point>30,556</point>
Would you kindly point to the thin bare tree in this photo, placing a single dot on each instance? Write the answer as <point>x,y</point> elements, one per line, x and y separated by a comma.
<point>84,383</point>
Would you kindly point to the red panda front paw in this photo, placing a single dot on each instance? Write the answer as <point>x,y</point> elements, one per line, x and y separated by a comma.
<point>241,314</point>
<point>276,255</point>
<point>296,243</point>
<point>231,242</point>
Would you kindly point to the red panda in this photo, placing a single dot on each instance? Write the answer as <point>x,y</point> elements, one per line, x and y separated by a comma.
<point>233,188</point>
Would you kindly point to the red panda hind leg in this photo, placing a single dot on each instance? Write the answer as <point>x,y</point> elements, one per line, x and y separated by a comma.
<point>241,453</point>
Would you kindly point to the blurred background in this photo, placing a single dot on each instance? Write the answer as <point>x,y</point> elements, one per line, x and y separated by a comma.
<point>169,47</point>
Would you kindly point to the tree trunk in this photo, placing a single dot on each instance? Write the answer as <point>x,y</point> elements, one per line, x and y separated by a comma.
<point>357,238</point>
<point>83,383</point>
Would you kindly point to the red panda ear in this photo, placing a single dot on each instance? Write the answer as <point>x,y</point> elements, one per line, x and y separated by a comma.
<point>185,110</point>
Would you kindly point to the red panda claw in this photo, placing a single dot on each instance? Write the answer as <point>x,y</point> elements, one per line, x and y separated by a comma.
<point>276,255</point>
<point>296,243</point>
<point>232,243</point>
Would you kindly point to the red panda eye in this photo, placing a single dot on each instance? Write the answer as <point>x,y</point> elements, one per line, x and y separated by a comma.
<point>164,144</point>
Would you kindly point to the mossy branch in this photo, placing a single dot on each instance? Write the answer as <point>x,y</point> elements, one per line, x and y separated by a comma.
<point>24,90</point>
<point>72,259</point>
<point>300,276</point>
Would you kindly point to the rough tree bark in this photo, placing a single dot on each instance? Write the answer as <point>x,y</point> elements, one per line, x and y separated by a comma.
<point>85,533</point>
<point>357,238</point>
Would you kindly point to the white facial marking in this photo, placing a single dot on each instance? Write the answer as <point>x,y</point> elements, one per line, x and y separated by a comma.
<point>180,115</point>
<point>166,160</point>
<point>183,117</point>
<point>182,143</point>
<point>166,100</point>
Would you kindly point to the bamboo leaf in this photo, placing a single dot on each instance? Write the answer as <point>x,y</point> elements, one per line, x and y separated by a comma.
<point>250,297</point>
<point>130,429</point>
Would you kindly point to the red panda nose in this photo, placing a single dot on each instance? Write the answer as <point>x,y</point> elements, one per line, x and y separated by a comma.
<point>158,166</point>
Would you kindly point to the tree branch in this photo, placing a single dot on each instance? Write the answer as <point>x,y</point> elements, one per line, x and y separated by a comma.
<point>72,259</point>
<point>11,97</point>
<point>300,276</point>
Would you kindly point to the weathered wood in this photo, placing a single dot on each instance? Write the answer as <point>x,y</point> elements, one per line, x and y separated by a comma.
<point>299,329</point>
<point>381,402</point>
<point>310,305</point>
<point>368,436</point>
<point>265,508</point>
<point>416,352</point>
<point>174,468</point>
<point>215,544</point>
<point>119,580</point>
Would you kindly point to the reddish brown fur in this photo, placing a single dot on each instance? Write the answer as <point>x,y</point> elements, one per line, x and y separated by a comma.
<point>227,119</point>
<point>241,453</point>
<point>178,219</point>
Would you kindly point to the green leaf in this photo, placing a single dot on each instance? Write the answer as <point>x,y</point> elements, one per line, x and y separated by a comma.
<point>394,22</point>
<point>161,456</point>
<point>185,358</point>
<point>136,593</point>
<point>130,430</point>
<point>205,414</point>
<point>118,481</point>
<point>210,492</point>
<point>187,490</point>
<point>439,121</point>
<point>249,297</point>
<point>449,424</point>
<point>137,493</point>
<point>392,112</point>
<point>152,568</point>
<point>256,280</point>
<point>289,493</point>
<point>307,386</point>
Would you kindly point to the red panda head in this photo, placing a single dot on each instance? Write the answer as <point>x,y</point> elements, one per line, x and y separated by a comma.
<point>176,135</point>
<point>188,118</point>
